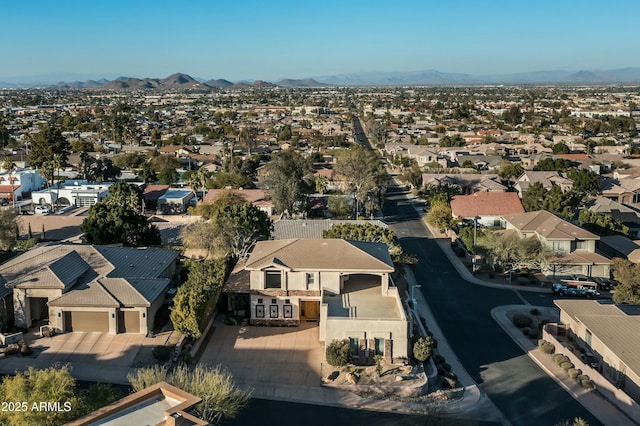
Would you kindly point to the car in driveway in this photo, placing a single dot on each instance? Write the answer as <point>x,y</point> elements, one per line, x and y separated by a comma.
<point>588,290</point>
<point>604,284</point>
<point>42,210</point>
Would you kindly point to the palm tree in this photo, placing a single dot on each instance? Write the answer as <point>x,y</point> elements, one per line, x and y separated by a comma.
<point>10,166</point>
<point>203,176</point>
<point>46,169</point>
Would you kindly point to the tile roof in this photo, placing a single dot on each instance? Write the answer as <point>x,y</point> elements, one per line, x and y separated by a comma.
<point>295,228</point>
<point>91,294</point>
<point>141,262</point>
<point>128,276</point>
<point>486,204</point>
<point>326,254</point>
<point>548,226</point>
<point>471,181</point>
<point>614,325</point>
<point>250,195</point>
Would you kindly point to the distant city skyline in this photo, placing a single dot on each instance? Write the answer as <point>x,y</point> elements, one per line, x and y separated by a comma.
<point>249,40</point>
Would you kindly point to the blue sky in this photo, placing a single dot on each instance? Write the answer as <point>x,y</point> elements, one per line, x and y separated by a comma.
<point>271,40</point>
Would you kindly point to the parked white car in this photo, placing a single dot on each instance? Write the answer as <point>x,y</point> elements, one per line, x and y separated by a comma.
<point>42,210</point>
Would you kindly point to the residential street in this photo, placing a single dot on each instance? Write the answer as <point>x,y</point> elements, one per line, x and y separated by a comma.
<point>517,386</point>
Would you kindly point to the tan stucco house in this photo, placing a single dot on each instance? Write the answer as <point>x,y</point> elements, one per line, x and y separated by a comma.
<point>574,247</point>
<point>75,287</point>
<point>345,286</point>
<point>610,332</point>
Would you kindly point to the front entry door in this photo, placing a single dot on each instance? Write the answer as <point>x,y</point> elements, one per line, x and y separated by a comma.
<point>310,310</point>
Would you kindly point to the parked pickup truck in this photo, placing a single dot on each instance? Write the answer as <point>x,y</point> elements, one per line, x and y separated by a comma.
<point>583,289</point>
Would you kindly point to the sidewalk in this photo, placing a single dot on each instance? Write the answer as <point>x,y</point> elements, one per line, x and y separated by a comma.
<point>601,408</point>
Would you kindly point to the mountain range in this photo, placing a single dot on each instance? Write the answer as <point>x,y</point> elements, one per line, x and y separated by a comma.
<point>375,78</point>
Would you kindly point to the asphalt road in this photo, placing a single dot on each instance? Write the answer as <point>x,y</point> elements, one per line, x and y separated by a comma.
<point>515,384</point>
<point>261,412</point>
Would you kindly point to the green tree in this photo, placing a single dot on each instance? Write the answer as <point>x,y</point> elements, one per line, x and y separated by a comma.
<point>48,142</point>
<point>9,166</point>
<point>290,180</point>
<point>239,226</point>
<point>103,170</point>
<point>413,176</point>
<point>221,397</point>
<point>110,223</point>
<point>322,182</point>
<point>232,226</point>
<point>423,349</point>
<point>561,203</point>
<point>452,141</point>
<point>7,228</point>
<point>284,134</point>
<point>363,172</point>
<point>560,148</point>
<point>338,353</point>
<point>128,160</point>
<point>81,145</point>
<point>584,181</point>
<point>122,193</point>
<point>52,385</point>
<point>628,275</point>
<point>601,224</point>
<point>196,298</point>
<point>439,217</point>
<point>247,137</point>
<point>339,206</point>
<point>510,171</point>
<point>551,164</point>
<point>160,162</point>
<point>147,174</point>
<point>468,234</point>
<point>513,252</point>
<point>533,197</point>
<point>168,176</point>
<point>369,232</point>
<point>513,115</point>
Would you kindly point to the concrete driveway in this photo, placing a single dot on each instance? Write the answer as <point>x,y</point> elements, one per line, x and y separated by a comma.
<point>93,356</point>
<point>267,356</point>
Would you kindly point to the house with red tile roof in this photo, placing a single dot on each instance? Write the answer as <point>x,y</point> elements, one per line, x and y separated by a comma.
<point>488,207</point>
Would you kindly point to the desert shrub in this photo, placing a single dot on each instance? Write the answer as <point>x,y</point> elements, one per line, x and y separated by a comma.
<point>25,350</point>
<point>521,320</point>
<point>567,365</point>
<point>583,377</point>
<point>338,353</point>
<point>587,384</point>
<point>48,332</point>
<point>547,347</point>
<point>12,349</point>
<point>162,353</point>
<point>451,375</point>
<point>559,360</point>
<point>423,349</point>
<point>574,373</point>
<point>534,311</point>
<point>438,359</point>
<point>448,382</point>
